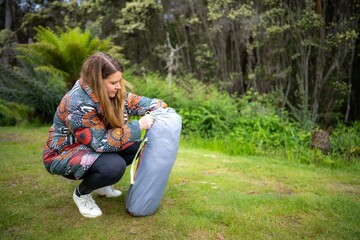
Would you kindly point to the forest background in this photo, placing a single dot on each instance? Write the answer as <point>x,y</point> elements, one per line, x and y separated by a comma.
<point>248,77</point>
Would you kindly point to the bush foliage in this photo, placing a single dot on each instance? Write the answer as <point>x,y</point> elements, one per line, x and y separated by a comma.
<point>38,91</point>
<point>251,124</point>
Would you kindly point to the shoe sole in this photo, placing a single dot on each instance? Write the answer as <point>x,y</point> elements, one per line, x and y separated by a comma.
<point>109,196</point>
<point>90,216</point>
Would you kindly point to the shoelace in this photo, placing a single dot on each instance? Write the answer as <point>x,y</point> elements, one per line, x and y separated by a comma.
<point>89,201</point>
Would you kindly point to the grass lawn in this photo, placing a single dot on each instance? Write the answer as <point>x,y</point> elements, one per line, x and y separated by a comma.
<point>209,196</point>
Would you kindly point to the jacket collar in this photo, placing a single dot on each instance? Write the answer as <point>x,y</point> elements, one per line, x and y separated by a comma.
<point>91,94</point>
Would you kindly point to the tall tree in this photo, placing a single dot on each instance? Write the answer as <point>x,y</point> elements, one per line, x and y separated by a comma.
<point>140,25</point>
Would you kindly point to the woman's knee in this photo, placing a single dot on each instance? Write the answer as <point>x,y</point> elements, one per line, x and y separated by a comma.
<point>111,166</point>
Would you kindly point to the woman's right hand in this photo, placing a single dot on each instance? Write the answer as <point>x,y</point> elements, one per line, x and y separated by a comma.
<point>146,122</point>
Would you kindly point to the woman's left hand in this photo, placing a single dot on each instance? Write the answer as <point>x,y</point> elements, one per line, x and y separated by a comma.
<point>146,122</point>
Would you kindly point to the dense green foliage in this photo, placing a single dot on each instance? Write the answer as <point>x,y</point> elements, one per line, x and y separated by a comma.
<point>25,86</point>
<point>12,113</point>
<point>205,111</point>
<point>305,51</point>
<point>247,78</point>
<point>345,141</point>
<point>251,125</point>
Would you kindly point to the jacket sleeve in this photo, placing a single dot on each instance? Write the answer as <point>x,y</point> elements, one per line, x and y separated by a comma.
<point>139,105</point>
<point>86,125</point>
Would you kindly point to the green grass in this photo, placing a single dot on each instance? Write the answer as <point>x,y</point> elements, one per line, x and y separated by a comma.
<point>209,195</point>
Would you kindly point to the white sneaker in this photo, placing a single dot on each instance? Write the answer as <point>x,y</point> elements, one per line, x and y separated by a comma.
<point>87,205</point>
<point>108,191</point>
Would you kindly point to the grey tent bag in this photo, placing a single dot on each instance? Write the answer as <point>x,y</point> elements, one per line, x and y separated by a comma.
<point>155,163</point>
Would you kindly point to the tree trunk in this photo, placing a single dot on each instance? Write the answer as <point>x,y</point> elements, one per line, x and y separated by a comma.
<point>319,7</point>
<point>238,83</point>
<point>320,61</point>
<point>8,14</point>
<point>350,69</point>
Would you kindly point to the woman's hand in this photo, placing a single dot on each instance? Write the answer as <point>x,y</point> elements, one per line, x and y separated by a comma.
<point>146,122</point>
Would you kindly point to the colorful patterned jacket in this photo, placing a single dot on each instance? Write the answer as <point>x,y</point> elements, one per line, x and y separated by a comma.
<point>78,136</point>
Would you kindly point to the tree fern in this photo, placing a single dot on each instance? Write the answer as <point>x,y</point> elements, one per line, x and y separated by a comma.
<point>61,52</point>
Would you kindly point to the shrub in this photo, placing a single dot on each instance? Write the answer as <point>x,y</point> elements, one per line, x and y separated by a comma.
<point>39,92</point>
<point>259,124</point>
<point>12,113</point>
<point>345,141</point>
<point>249,125</point>
<point>205,111</point>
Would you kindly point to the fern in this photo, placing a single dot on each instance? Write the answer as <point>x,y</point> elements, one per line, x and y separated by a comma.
<point>55,54</point>
<point>61,53</point>
<point>30,88</point>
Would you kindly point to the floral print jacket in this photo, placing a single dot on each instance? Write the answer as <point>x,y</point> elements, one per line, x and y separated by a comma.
<point>78,136</point>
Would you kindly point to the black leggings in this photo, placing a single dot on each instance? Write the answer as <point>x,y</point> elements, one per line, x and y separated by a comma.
<point>108,169</point>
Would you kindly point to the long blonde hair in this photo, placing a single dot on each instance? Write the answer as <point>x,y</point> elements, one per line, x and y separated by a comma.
<point>94,70</point>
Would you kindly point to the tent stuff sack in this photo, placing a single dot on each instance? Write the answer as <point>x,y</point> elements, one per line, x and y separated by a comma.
<point>157,157</point>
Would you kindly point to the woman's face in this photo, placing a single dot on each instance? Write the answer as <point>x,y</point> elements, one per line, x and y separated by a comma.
<point>112,83</point>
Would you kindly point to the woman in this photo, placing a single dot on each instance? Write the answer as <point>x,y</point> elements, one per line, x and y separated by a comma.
<point>90,138</point>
